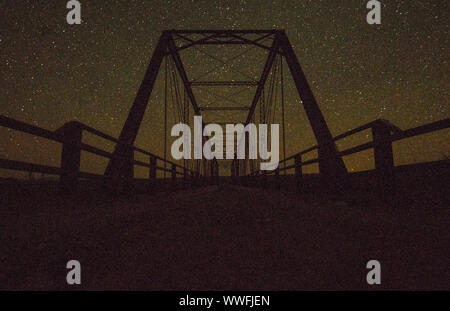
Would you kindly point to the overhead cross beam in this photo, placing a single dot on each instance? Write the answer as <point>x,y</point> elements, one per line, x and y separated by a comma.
<point>223,108</point>
<point>247,41</point>
<point>224,83</point>
<point>223,37</point>
<point>205,39</point>
<point>225,31</point>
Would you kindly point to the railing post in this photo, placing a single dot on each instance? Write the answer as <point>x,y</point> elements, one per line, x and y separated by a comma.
<point>323,171</point>
<point>152,169</point>
<point>263,179</point>
<point>384,159</point>
<point>216,172</point>
<point>174,175</point>
<point>126,182</point>
<point>298,166</point>
<point>184,175</point>
<point>298,172</point>
<point>332,182</point>
<point>194,179</point>
<point>212,175</point>
<point>121,179</point>
<point>188,178</point>
<point>277,178</point>
<point>205,170</point>
<point>174,172</point>
<point>70,157</point>
<point>245,163</point>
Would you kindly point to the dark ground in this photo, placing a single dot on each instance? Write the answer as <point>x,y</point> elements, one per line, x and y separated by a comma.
<point>227,238</point>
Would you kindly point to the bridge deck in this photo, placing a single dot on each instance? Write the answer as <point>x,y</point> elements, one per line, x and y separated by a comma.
<point>227,238</point>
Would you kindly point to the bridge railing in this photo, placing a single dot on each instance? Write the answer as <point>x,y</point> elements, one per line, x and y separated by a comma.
<point>70,136</point>
<point>384,134</point>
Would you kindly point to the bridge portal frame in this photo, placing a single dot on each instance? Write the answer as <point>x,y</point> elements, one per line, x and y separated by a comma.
<point>331,164</point>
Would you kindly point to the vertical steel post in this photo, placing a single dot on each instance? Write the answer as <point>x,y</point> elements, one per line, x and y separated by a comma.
<point>384,159</point>
<point>70,157</point>
<point>174,175</point>
<point>277,178</point>
<point>298,172</point>
<point>152,169</point>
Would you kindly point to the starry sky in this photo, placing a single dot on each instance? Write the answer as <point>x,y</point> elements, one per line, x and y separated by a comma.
<point>52,72</point>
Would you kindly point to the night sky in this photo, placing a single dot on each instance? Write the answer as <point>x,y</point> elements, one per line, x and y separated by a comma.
<point>52,72</point>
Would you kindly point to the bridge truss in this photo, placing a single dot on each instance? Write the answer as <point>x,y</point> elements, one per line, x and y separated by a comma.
<point>168,49</point>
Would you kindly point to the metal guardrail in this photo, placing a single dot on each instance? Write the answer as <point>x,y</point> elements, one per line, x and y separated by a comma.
<point>70,136</point>
<point>384,134</point>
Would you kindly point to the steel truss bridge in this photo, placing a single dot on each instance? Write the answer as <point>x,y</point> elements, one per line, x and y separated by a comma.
<point>179,90</point>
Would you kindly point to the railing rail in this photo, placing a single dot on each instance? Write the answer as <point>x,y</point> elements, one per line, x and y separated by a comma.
<point>393,134</point>
<point>70,136</point>
<point>115,140</point>
<point>384,134</point>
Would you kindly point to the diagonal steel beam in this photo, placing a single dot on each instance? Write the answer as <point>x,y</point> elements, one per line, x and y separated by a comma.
<point>248,41</point>
<point>217,34</point>
<point>331,163</point>
<point>226,98</point>
<point>263,37</point>
<point>200,41</point>
<point>262,80</point>
<point>117,166</point>
<point>226,62</point>
<point>184,78</point>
